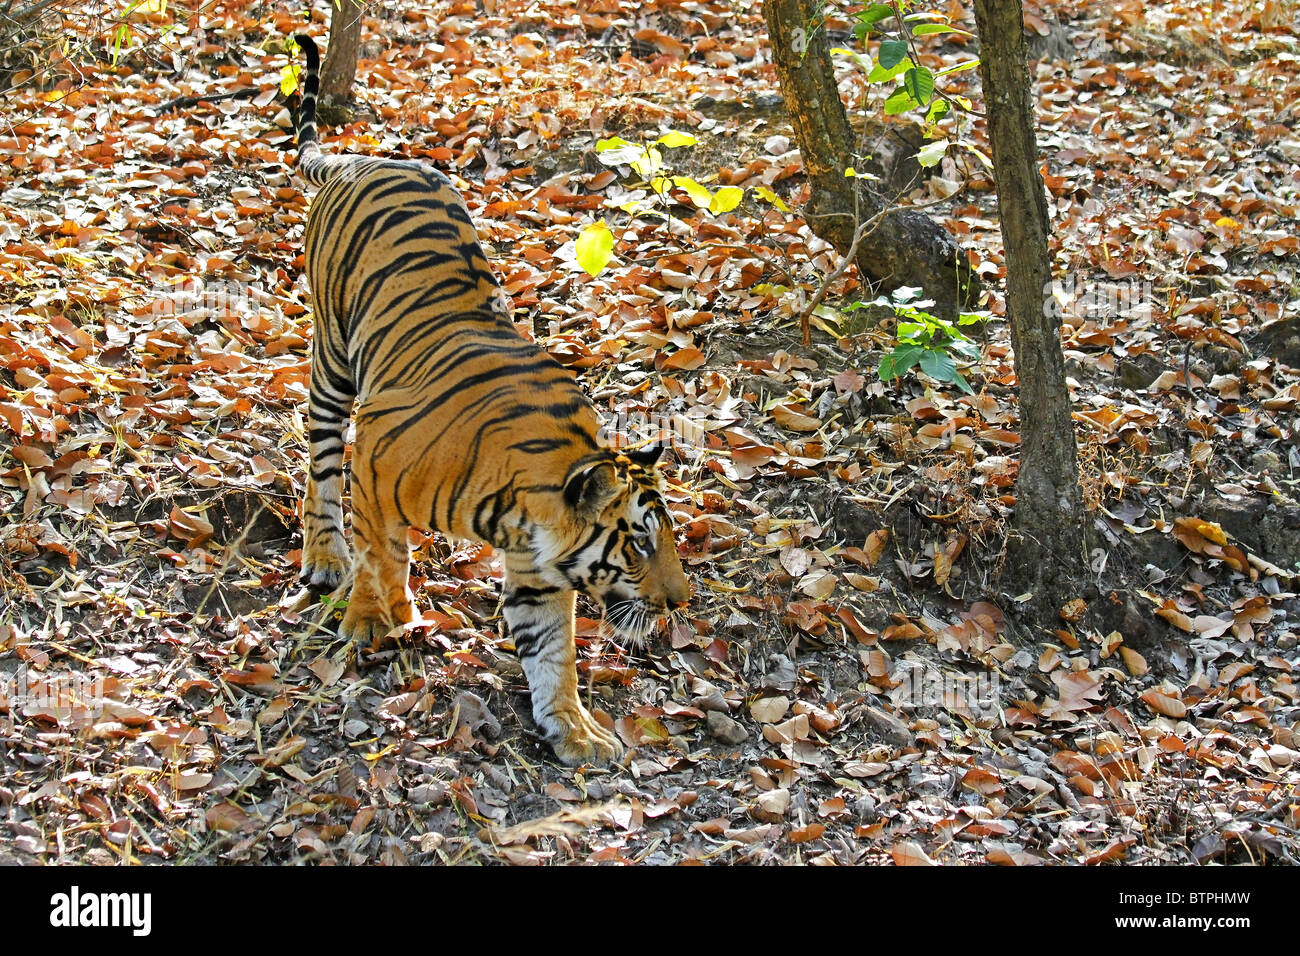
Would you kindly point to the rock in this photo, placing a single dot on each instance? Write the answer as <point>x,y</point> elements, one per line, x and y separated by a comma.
<point>1269,461</point>
<point>723,728</point>
<point>1140,372</point>
<point>1281,340</point>
<point>1265,526</point>
<point>886,726</point>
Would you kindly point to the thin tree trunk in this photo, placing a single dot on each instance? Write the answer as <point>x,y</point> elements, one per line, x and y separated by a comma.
<point>340,67</point>
<point>907,247</point>
<point>1047,547</point>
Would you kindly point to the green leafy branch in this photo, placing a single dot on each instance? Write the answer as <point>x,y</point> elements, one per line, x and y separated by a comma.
<point>923,341</point>
<point>916,86</point>
<point>595,244</point>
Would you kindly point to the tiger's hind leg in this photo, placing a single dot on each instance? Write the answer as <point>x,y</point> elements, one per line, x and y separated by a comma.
<point>325,558</point>
<point>540,617</point>
<point>381,596</point>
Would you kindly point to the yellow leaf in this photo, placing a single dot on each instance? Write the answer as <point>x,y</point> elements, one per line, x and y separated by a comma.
<point>765,194</point>
<point>594,248</point>
<point>699,195</point>
<point>289,78</point>
<point>726,199</point>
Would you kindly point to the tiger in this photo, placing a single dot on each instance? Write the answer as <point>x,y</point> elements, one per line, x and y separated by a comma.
<point>462,426</point>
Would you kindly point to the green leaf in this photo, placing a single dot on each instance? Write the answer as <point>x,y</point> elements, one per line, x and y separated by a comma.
<point>765,194</point>
<point>879,74</point>
<point>672,139</point>
<point>612,143</point>
<point>938,110</point>
<point>967,65</point>
<point>931,153</point>
<point>868,18</point>
<point>931,28</point>
<point>875,13</point>
<point>909,330</point>
<point>699,195</point>
<point>919,82</point>
<point>904,357</point>
<point>594,248</point>
<point>900,102</point>
<point>938,365</point>
<point>891,53</point>
<point>121,35</point>
<point>726,199</point>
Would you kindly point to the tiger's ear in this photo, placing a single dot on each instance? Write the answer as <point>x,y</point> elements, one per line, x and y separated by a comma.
<point>590,489</point>
<point>647,456</point>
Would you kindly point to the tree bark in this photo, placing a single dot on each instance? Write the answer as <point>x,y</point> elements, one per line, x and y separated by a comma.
<point>340,67</point>
<point>1048,542</point>
<point>907,247</point>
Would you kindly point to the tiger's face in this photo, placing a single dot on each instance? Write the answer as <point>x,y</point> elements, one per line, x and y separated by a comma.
<point>623,554</point>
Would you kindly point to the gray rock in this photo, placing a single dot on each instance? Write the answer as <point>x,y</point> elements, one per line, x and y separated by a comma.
<point>723,728</point>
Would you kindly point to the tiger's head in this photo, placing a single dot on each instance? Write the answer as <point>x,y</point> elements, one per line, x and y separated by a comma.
<point>619,548</point>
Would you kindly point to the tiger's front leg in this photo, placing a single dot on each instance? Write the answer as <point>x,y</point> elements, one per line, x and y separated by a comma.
<point>540,617</point>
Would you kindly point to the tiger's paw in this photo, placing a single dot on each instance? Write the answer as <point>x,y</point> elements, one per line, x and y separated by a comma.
<point>367,630</point>
<point>582,740</point>
<point>367,624</point>
<point>325,571</point>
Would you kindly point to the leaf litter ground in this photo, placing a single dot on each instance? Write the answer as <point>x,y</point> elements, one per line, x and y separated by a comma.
<point>848,685</point>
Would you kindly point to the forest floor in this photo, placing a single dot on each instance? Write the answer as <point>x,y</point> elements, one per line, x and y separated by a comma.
<point>849,684</point>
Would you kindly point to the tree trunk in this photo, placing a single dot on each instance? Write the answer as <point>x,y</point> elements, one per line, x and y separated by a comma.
<point>340,67</point>
<point>907,247</point>
<point>1048,541</point>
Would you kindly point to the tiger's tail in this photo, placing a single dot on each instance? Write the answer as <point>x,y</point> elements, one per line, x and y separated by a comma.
<point>314,166</point>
